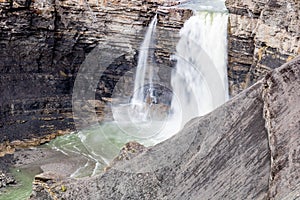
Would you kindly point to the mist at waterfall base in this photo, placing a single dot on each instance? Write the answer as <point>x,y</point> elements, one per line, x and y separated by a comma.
<point>198,85</point>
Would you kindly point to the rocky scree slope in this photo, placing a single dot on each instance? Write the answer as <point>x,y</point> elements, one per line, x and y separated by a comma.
<point>246,149</point>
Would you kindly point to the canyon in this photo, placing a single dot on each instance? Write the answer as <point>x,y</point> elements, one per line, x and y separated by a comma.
<point>44,43</point>
<point>252,139</point>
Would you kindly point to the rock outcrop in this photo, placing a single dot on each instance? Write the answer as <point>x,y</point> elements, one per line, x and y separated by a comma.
<point>263,35</point>
<point>6,179</point>
<point>281,111</point>
<point>245,149</point>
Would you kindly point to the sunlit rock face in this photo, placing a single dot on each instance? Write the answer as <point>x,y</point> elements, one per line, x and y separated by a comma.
<point>262,36</point>
<point>43,44</point>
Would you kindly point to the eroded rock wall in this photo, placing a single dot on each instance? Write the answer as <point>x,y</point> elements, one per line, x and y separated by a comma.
<point>43,43</point>
<point>263,35</point>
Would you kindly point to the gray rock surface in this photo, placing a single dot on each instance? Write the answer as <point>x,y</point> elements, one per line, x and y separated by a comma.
<point>245,149</point>
<point>282,113</point>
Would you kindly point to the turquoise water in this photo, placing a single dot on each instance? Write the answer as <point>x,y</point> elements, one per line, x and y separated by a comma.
<point>99,145</point>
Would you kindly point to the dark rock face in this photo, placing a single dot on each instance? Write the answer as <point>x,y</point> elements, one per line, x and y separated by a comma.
<point>245,149</point>
<point>44,43</point>
<point>263,35</point>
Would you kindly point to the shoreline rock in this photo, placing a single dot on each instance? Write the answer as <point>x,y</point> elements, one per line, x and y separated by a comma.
<point>6,179</point>
<point>11,147</point>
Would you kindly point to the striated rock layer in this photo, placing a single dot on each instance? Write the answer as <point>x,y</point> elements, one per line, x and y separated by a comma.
<point>263,35</point>
<point>245,149</point>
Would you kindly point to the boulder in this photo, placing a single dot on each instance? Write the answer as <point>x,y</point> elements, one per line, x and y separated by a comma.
<point>6,179</point>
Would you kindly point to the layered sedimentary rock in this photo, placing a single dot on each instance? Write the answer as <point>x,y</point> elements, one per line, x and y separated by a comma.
<point>246,149</point>
<point>43,44</point>
<point>263,35</point>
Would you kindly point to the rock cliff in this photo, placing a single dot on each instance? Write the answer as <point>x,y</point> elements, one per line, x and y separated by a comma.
<point>245,149</point>
<point>263,35</point>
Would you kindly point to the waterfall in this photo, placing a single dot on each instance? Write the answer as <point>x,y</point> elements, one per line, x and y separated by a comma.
<point>200,78</point>
<point>145,69</point>
<point>199,85</point>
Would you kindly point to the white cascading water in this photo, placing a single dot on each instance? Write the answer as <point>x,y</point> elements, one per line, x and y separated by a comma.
<point>145,69</point>
<point>199,82</point>
<point>200,78</point>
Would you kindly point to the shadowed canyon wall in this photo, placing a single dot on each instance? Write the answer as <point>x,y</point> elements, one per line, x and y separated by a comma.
<point>43,44</point>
